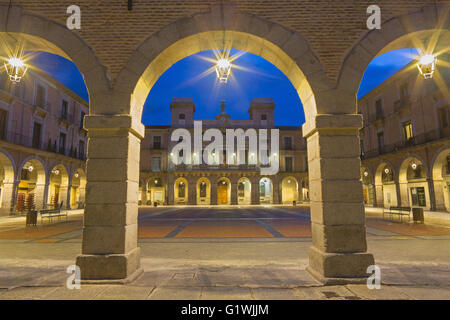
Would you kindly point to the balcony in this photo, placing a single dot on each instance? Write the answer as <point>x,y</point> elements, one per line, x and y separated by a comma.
<point>429,136</point>
<point>50,146</point>
<point>41,109</point>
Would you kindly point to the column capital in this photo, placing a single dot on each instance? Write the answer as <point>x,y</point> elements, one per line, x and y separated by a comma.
<point>114,122</point>
<point>333,123</point>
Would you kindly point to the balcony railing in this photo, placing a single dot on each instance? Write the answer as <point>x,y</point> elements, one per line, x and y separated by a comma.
<point>414,141</point>
<point>50,146</point>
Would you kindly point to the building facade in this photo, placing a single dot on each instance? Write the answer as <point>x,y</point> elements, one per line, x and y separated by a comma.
<point>165,182</point>
<point>42,144</point>
<point>405,141</point>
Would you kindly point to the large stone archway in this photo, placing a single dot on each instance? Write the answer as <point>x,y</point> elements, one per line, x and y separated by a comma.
<point>110,248</point>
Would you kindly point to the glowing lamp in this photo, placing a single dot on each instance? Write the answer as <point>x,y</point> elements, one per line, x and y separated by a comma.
<point>366,173</point>
<point>426,65</point>
<point>386,170</point>
<point>414,166</point>
<point>16,69</point>
<point>223,68</point>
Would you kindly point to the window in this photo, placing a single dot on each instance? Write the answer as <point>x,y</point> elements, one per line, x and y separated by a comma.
<point>264,119</point>
<point>288,143</point>
<point>3,123</point>
<point>156,142</point>
<point>288,164</point>
<point>82,115</point>
<point>182,118</point>
<point>380,137</point>
<point>203,189</point>
<point>407,130</point>
<point>156,164</point>
<point>40,96</point>
<point>62,143</point>
<point>181,190</point>
<point>379,109</point>
<point>64,109</point>
<point>444,117</point>
<point>37,128</point>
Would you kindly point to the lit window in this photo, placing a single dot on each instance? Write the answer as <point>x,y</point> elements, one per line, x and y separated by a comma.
<point>407,129</point>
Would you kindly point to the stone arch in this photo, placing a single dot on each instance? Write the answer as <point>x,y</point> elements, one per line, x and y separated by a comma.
<point>203,189</point>
<point>412,180</point>
<point>223,185</point>
<point>7,179</point>
<point>156,190</point>
<point>411,30</point>
<point>287,50</point>
<point>38,33</point>
<point>289,190</point>
<point>179,185</point>
<point>441,178</point>
<point>78,188</point>
<point>386,187</point>
<point>368,184</point>
<point>244,190</point>
<point>58,185</point>
<point>266,190</point>
<point>32,177</point>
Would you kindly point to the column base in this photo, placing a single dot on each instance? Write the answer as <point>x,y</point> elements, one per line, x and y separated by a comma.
<point>111,268</point>
<point>339,268</point>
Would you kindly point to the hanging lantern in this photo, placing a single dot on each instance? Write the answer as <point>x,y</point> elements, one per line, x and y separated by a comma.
<point>223,68</point>
<point>414,166</point>
<point>366,173</point>
<point>386,171</point>
<point>16,69</point>
<point>30,168</point>
<point>426,65</point>
<point>55,171</point>
<point>76,175</point>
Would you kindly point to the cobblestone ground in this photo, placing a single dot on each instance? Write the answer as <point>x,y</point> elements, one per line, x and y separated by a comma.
<point>221,253</point>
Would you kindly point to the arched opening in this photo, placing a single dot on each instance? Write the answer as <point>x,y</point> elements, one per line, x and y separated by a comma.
<point>78,189</point>
<point>368,186</point>
<point>244,190</point>
<point>58,187</point>
<point>30,193</point>
<point>413,184</point>
<point>181,191</point>
<point>203,191</point>
<point>289,190</point>
<point>305,190</point>
<point>386,185</point>
<point>155,191</point>
<point>7,169</point>
<point>265,191</point>
<point>441,179</point>
<point>223,191</point>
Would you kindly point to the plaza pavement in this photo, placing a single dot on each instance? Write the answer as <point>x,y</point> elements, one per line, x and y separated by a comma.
<point>222,253</point>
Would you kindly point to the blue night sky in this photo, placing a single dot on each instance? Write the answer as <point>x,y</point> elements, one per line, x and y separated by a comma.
<point>253,77</point>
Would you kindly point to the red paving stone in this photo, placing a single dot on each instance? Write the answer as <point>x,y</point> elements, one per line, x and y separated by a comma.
<point>292,228</point>
<point>409,229</point>
<point>41,231</point>
<point>156,229</point>
<point>224,229</point>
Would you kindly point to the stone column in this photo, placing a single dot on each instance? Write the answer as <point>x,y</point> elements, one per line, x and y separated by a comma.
<point>7,195</point>
<point>255,192</point>
<point>109,248</point>
<point>170,190</point>
<point>15,191</point>
<point>144,195</point>
<point>192,193</point>
<point>68,197</point>
<point>380,195</point>
<point>41,195</point>
<point>233,190</point>
<point>276,191</point>
<point>213,191</point>
<point>374,190</point>
<point>338,253</point>
<point>402,194</point>
<point>432,194</point>
<point>64,196</point>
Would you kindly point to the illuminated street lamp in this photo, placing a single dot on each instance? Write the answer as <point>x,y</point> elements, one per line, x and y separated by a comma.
<point>223,68</point>
<point>414,166</point>
<point>426,65</point>
<point>56,171</point>
<point>386,171</point>
<point>16,69</point>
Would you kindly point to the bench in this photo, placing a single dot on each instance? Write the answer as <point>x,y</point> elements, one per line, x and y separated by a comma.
<point>399,211</point>
<point>53,213</point>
